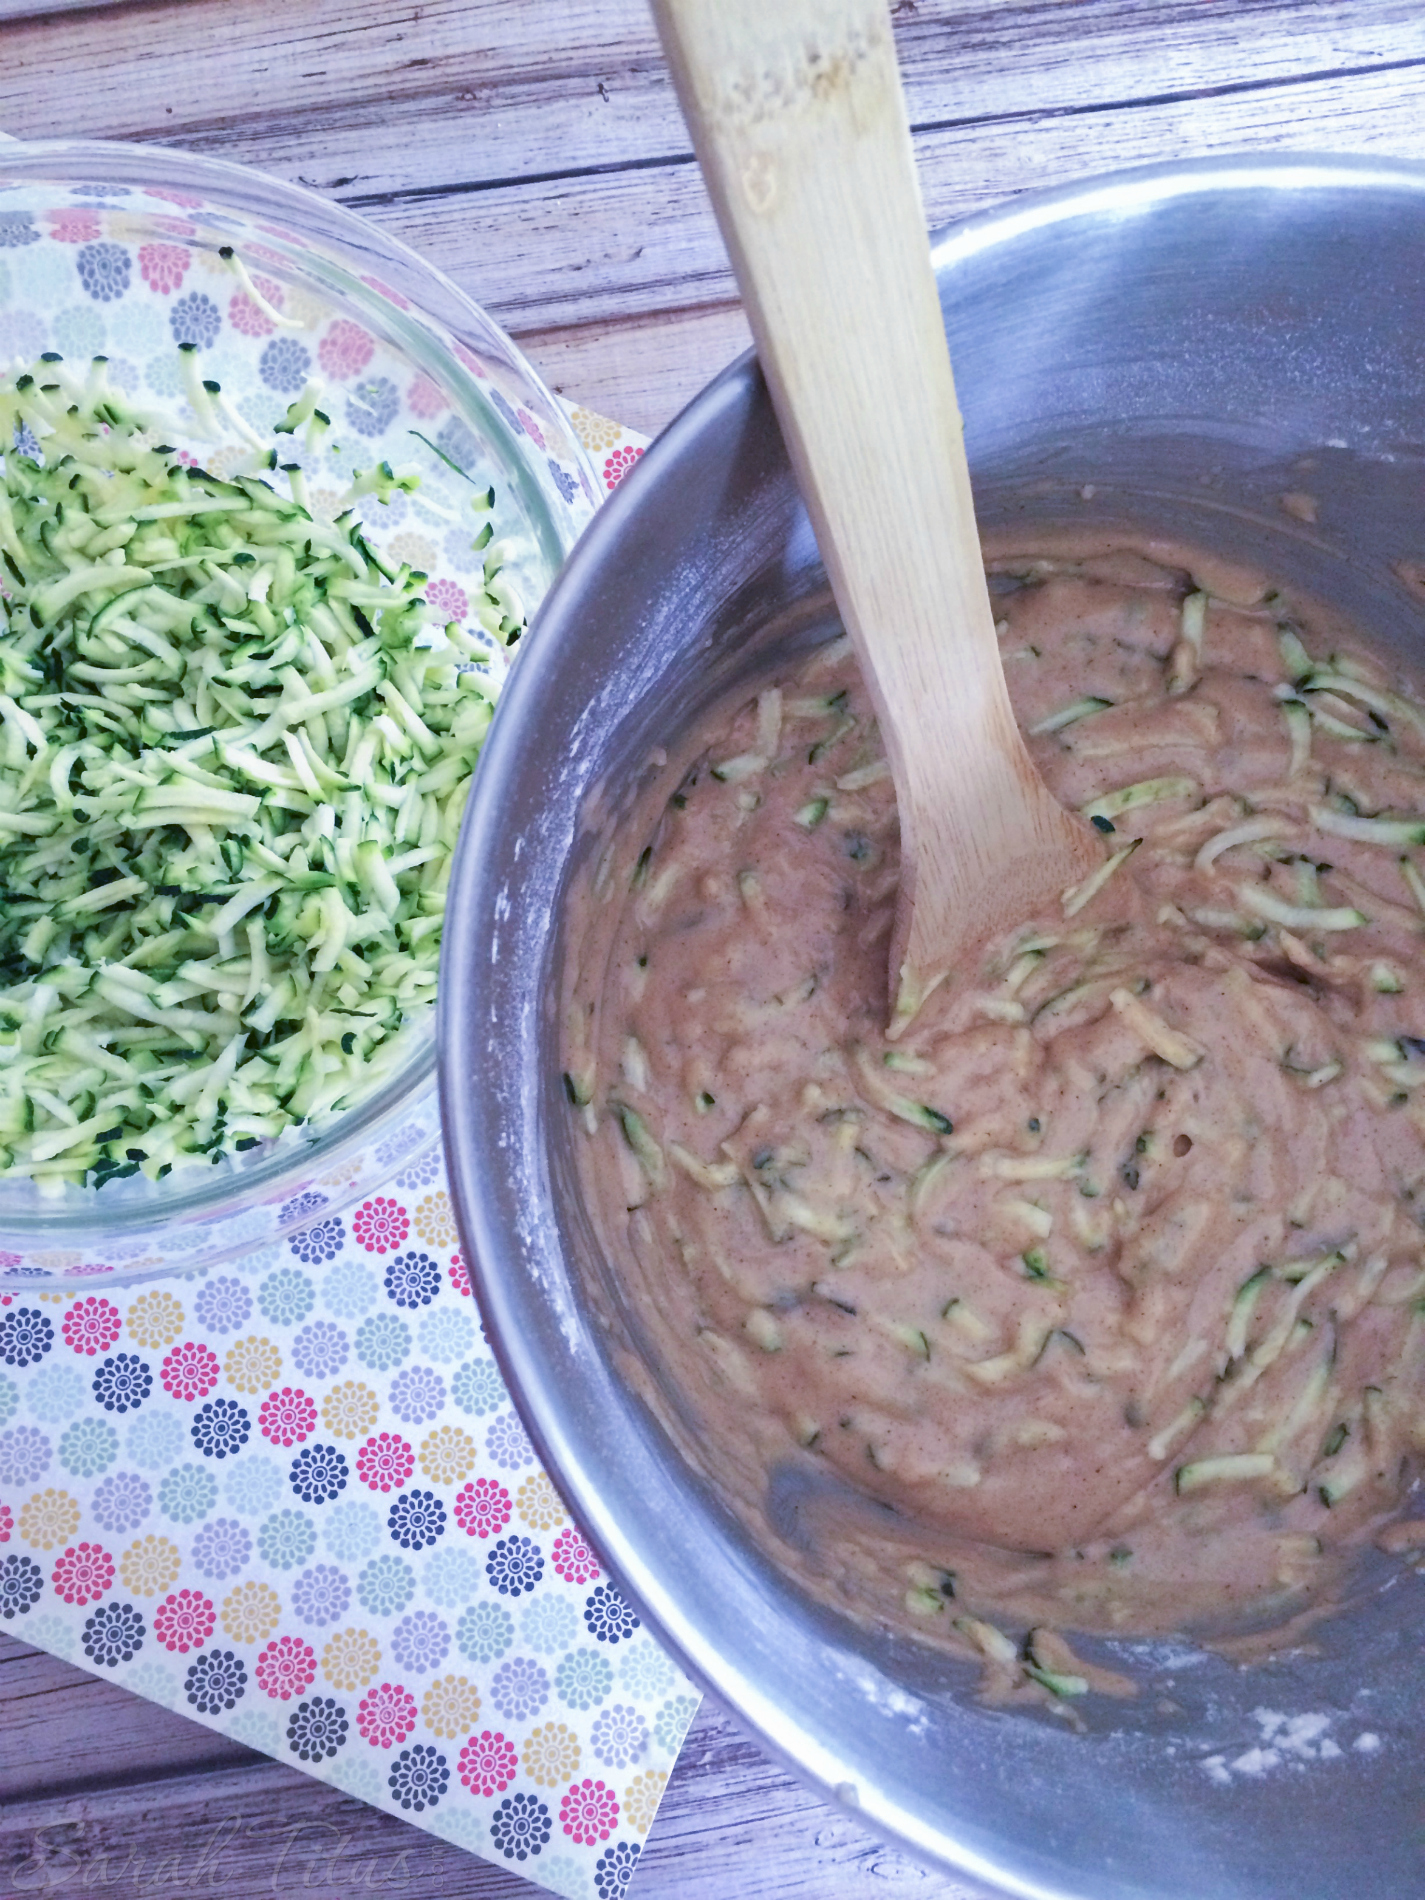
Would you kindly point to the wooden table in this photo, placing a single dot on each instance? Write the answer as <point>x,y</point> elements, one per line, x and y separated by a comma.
<point>533,149</point>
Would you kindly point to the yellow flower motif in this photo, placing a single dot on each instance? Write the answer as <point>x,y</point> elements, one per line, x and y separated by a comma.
<point>415,548</point>
<point>351,1659</point>
<point>155,1320</point>
<point>341,1177</point>
<point>448,1456</point>
<point>150,1566</point>
<point>301,308</point>
<point>58,1262</point>
<point>593,430</point>
<point>538,1504</point>
<point>350,1410</point>
<point>433,1220</point>
<point>641,1798</point>
<point>250,1613</point>
<point>326,506</point>
<point>551,1755</point>
<point>252,1365</point>
<point>49,1519</point>
<point>451,1707</point>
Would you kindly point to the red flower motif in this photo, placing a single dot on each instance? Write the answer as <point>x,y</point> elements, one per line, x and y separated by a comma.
<point>385,290</point>
<point>287,1667</point>
<point>572,1558</point>
<point>246,318</point>
<point>618,465</point>
<point>531,427</point>
<point>7,1523</point>
<point>449,601</point>
<point>384,1463</point>
<point>588,1812</point>
<point>487,1763</point>
<point>380,1225</point>
<point>346,349</point>
<point>185,199</point>
<point>163,266</point>
<point>185,1622</point>
<point>77,226</point>
<point>460,1276</point>
<point>387,1715</point>
<point>287,1417</point>
<point>424,398</point>
<point>83,1574</point>
<point>470,360</point>
<point>91,1325</point>
<point>190,1371</point>
<point>482,1508</point>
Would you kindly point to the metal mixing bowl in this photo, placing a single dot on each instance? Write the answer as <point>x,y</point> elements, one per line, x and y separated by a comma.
<point>1176,346</point>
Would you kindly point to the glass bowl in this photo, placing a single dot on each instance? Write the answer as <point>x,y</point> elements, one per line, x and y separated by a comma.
<point>128,251</point>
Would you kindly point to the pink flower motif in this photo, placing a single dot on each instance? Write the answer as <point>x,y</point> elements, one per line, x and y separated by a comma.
<point>572,1558</point>
<point>482,1508</point>
<point>469,359</point>
<point>163,266</point>
<point>92,1267</point>
<point>287,1417</point>
<point>76,226</point>
<point>487,1763</point>
<point>380,1225</point>
<point>7,1523</point>
<point>384,1463</point>
<point>588,1812</point>
<point>8,1260</point>
<point>460,1276</point>
<point>83,1574</point>
<point>618,465</point>
<point>246,318</point>
<point>190,1371</point>
<point>386,1715</point>
<point>266,251</point>
<point>531,427</point>
<point>287,1667</point>
<point>425,399</point>
<point>174,227</point>
<point>91,1325</point>
<point>346,349</point>
<point>184,199</point>
<point>185,1622</point>
<point>385,290</point>
<point>448,600</point>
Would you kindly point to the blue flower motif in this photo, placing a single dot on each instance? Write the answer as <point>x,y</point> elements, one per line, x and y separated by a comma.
<point>113,1634</point>
<point>520,1827</point>
<point>317,1729</point>
<point>456,441</point>
<point>645,1671</point>
<point>222,1548</point>
<point>284,365</point>
<point>349,1290</point>
<point>25,1336</point>
<point>451,1577</point>
<point>417,1394</point>
<point>673,1721</point>
<point>55,1393</point>
<point>485,1632</point>
<point>22,1585</point>
<point>417,1519</point>
<point>421,1172</point>
<point>519,1688</point>
<point>515,1565</point>
<point>412,1279</point>
<point>305,1203</point>
<point>564,482</point>
<point>319,1472</point>
<point>505,410</point>
<point>477,1388</point>
<point>122,1382</point>
<point>17,228</point>
<point>382,1341</point>
<point>27,444</point>
<point>286,1539</point>
<point>321,1595</point>
<point>320,1350</point>
<point>223,1305</point>
<point>445,1333</point>
<point>372,405</point>
<point>607,1617</point>
<point>323,1240</point>
<point>549,1624</point>
<point>9,1400</point>
<point>418,1777</point>
<point>155,1440</point>
<point>104,270</point>
<point>195,319</point>
<point>220,1428</point>
<point>121,1503</point>
<point>351,1532</point>
<point>24,1455</point>
<point>406,1137</point>
<point>89,1446</point>
<point>614,1869</point>
<point>187,1493</point>
<point>286,1297</point>
<point>508,1444</point>
<point>216,1681</point>
<point>419,1641</point>
<point>385,1585</point>
<point>619,1735</point>
<point>253,1485</point>
<point>583,1679</point>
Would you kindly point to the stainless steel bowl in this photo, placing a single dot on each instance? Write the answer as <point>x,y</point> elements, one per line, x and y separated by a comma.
<point>1176,346</point>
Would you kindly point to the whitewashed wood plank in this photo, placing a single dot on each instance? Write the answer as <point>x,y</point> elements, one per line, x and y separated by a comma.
<point>641,372</point>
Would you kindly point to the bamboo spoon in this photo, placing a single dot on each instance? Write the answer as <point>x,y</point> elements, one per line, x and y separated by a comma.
<point>797,117</point>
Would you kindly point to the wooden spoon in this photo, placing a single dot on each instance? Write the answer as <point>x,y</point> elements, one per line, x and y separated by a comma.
<point>797,117</point>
